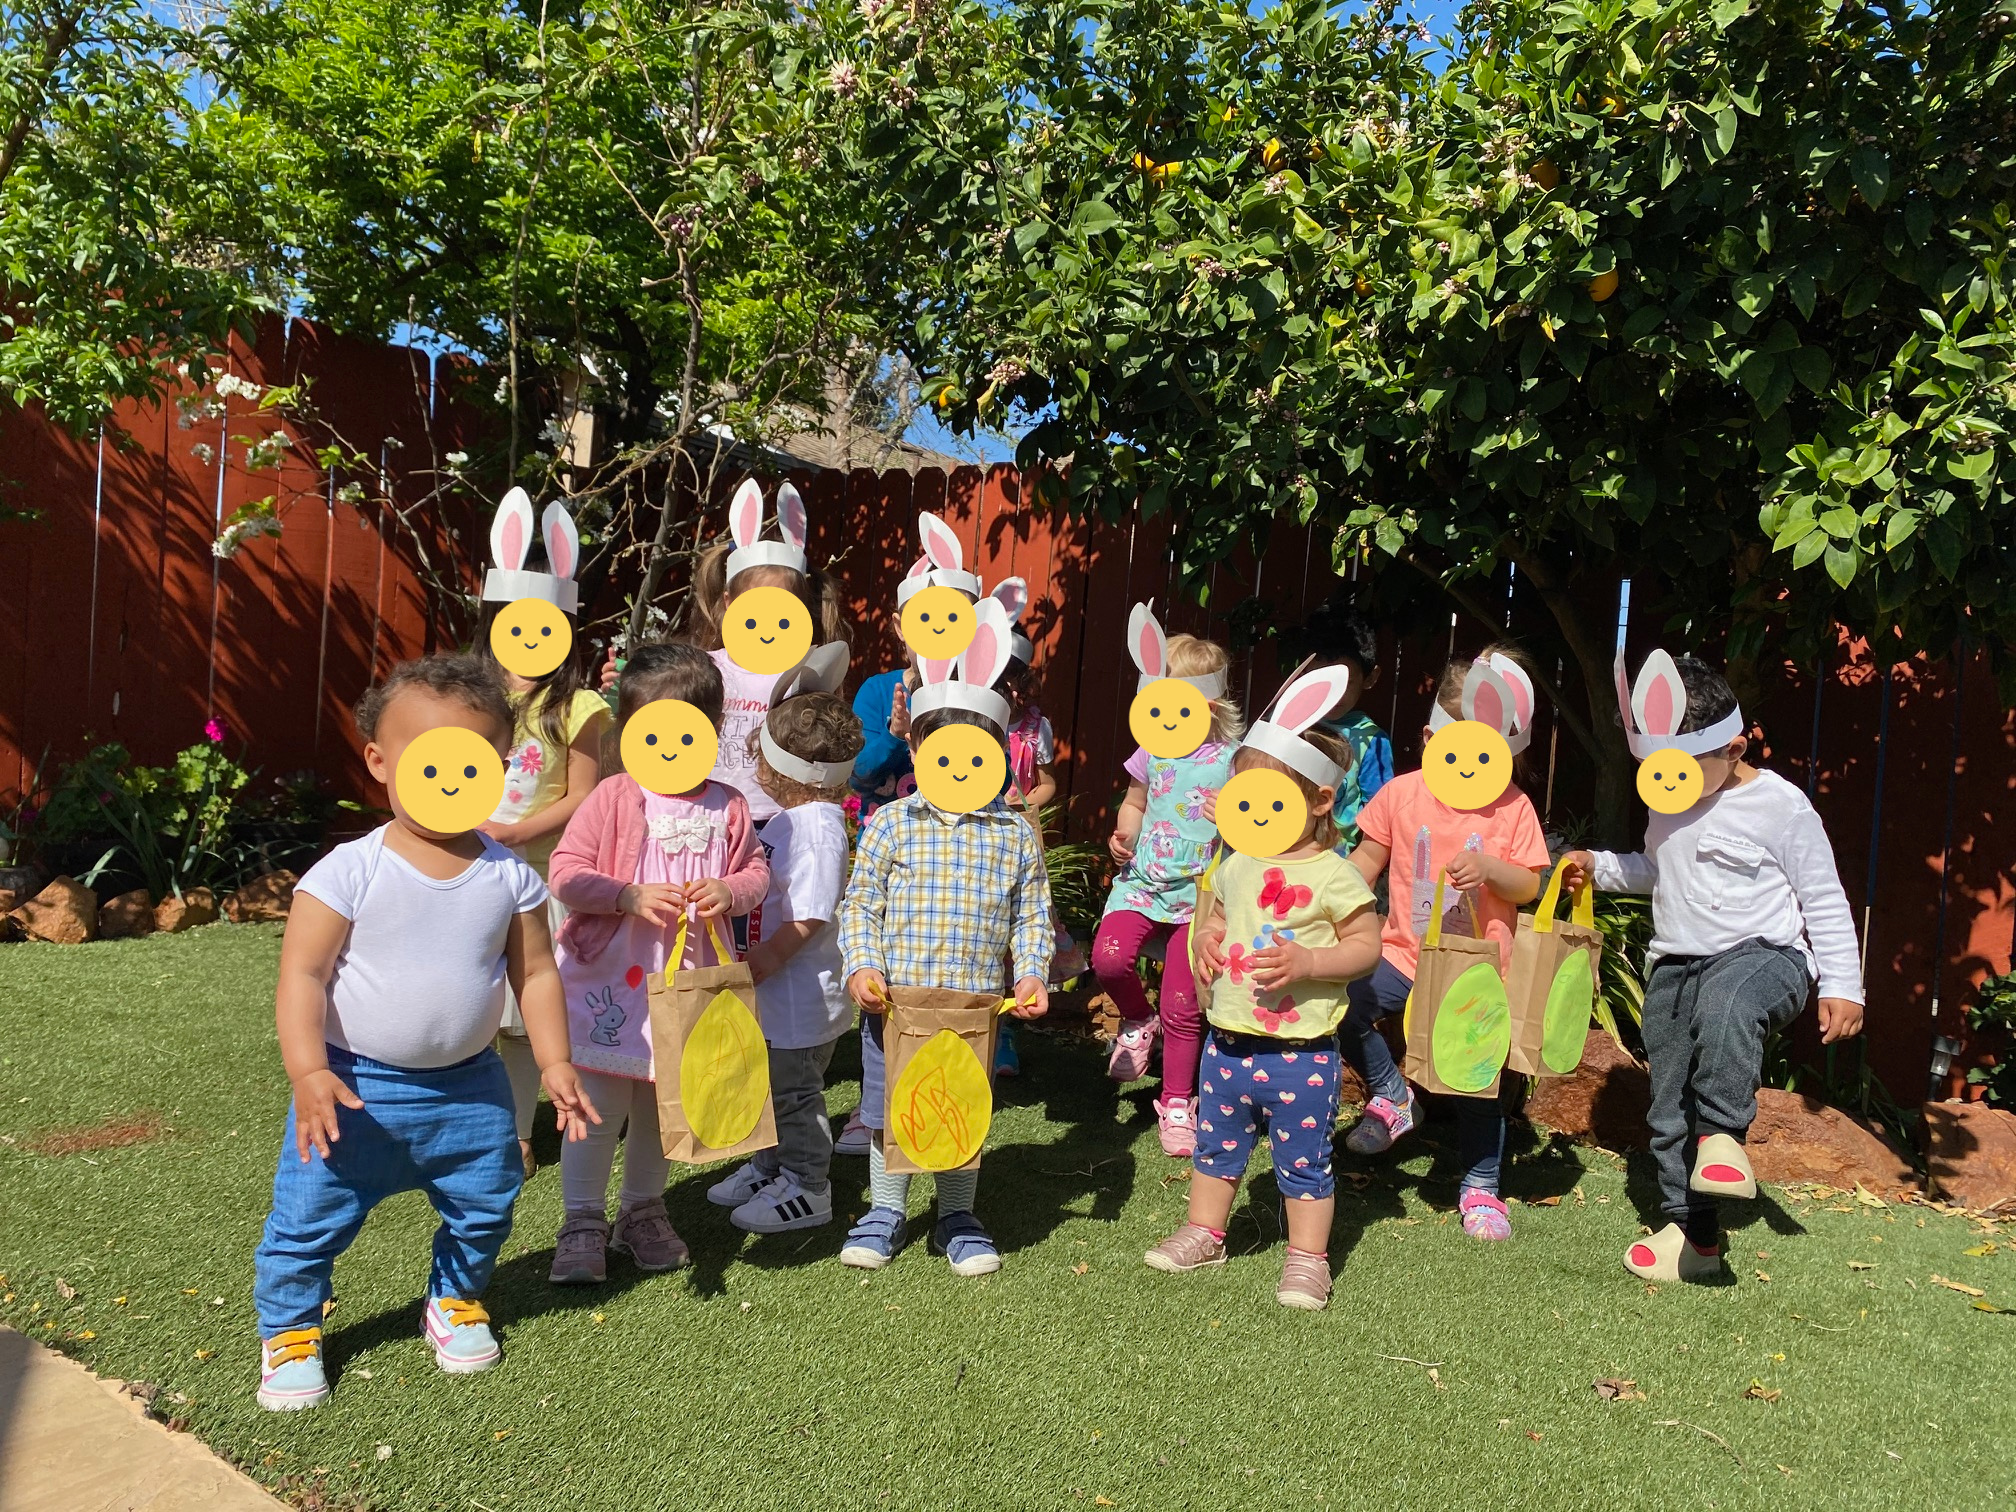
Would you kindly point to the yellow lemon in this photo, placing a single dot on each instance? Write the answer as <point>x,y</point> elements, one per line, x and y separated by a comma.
<point>941,1105</point>
<point>530,637</point>
<point>1272,153</point>
<point>1544,173</point>
<point>449,780</point>
<point>1466,764</point>
<point>724,1073</point>
<point>1603,285</point>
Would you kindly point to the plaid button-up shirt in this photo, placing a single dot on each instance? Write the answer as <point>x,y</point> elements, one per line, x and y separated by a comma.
<point>944,900</point>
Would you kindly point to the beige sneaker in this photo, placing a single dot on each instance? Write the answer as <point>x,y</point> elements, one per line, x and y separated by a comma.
<point>1305,1281</point>
<point>1191,1247</point>
<point>1722,1168</point>
<point>1667,1256</point>
<point>646,1235</point>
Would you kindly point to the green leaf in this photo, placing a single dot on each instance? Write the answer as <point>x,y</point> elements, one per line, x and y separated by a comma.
<point>1752,292</point>
<point>1901,527</point>
<point>1725,130</point>
<point>1871,170</point>
<point>1841,565</point>
<point>1094,217</point>
<point>1808,550</point>
<point>1811,367</point>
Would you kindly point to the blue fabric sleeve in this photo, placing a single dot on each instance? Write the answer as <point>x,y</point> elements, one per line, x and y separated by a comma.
<point>1375,770</point>
<point>883,758</point>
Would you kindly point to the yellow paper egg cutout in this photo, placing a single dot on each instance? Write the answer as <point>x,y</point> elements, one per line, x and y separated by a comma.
<point>724,1073</point>
<point>1473,1030</point>
<point>942,1104</point>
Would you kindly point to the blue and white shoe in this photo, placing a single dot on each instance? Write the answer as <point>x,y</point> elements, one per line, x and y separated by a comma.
<point>1007,1059</point>
<point>737,1188</point>
<point>965,1245</point>
<point>872,1243</point>
<point>290,1371</point>
<point>460,1334</point>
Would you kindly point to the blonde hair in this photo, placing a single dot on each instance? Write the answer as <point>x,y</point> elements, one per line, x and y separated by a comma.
<point>1449,694</point>
<point>1325,832</point>
<point>1193,656</point>
<point>712,592</point>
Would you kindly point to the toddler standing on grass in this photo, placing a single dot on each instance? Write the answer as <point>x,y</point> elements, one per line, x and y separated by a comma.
<point>392,979</point>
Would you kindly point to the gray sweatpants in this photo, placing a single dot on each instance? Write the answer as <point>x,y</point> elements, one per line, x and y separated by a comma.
<point>798,1094</point>
<point>1706,1019</point>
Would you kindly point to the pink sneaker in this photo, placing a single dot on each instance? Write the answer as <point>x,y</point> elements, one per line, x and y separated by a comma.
<point>1177,1121</point>
<point>1129,1060</point>
<point>1484,1216</point>
<point>1384,1122</point>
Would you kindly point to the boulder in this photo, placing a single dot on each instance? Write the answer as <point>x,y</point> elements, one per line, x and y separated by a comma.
<point>1971,1154</point>
<point>263,900</point>
<point>197,906</point>
<point>1603,1101</point>
<point>63,913</point>
<point>127,916</point>
<point>1798,1138</point>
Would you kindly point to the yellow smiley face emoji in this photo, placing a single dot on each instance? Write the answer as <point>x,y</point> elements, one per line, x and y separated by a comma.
<point>1261,812</point>
<point>1169,718</point>
<point>1669,781</point>
<point>530,637</point>
<point>960,768</point>
<point>767,630</point>
<point>449,780</point>
<point>1466,764</point>
<point>938,623</point>
<point>669,746</point>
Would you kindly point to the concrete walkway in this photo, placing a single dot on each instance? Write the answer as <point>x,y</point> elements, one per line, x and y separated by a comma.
<point>70,1442</point>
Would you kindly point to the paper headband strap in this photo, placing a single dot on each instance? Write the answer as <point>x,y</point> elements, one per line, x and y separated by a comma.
<point>971,697</point>
<point>1517,722</point>
<point>797,768</point>
<point>1209,684</point>
<point>1285,745</point>
<point>967,583</point>
<point>1659,704</point>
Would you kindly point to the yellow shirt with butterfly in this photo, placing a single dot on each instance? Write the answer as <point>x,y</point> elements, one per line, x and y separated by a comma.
<point>1303,902</point>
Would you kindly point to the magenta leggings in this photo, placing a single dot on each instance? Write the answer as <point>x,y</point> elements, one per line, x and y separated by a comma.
<point>1116,954</point>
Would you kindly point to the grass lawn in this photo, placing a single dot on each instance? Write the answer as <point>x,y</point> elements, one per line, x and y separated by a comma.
<point>1074,1378</point>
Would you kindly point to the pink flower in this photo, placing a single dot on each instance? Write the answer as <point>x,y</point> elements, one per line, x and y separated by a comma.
<point>532,759</point>
<point>851,806</point>
<point>1238,964</point>
<point>214,731</point>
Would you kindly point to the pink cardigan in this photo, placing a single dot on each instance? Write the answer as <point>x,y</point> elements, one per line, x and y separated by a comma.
<point>597,858</point>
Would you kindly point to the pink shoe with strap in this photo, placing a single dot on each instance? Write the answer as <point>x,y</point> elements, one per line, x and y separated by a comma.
<point>1176,1122</point>
<point>1484,1216</point>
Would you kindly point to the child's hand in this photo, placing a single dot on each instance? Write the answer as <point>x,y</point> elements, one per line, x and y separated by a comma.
<point>1581,873</point>
<point>609,670</point>
<point>1211,806</point>
<point>710,898</point>
<point>1210,957</point>
<point>1121,847</point>
<point>1466,870</point>
<point>1032,998</point>
<point>654,902</point>
<point>315,1099</point>
<point>1839,1019</point>
<point>572,1108</point>
<point>505,835</point>
<point>1278,965</point>
<point>899,711</point>
<point>869,991</point>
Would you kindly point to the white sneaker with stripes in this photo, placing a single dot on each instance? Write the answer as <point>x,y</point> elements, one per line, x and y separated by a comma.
<point>783,1205</point>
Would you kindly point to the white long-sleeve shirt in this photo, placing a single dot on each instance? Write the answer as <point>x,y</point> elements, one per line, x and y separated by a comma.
<point>1748,862</point>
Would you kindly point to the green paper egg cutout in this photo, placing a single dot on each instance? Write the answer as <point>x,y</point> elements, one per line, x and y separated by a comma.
<point>1473,1030</point>
<point>1569,1001</point>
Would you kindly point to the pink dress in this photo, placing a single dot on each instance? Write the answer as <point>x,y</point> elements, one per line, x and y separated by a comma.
<point>608,1006</point>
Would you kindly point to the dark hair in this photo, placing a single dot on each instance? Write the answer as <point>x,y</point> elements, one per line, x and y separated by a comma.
<point>552,695</point>
<point>814,727</point>
<point>816,590</point>
<point>472,681</point>
<point>1710,699</point>
<point>924,726</point>
<point>1338,632</point>
<point>1326,832</point>
<point>669,669</point>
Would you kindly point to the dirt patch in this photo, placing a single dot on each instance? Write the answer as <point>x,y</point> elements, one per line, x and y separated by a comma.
<point>88,1139</point>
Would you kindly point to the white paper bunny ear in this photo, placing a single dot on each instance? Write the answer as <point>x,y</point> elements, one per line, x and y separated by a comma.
<point>511,543</point>
<point>791,515</point>
<point>1150,649</point>
<point>745,528</point>
<point>1012,594</point>
<point>823,671</point>
<point>1297,707</point>
<point>1486,699</point>
<point>1657,707</point>
<point>985,660</point>
<point>940,544</point>
<point>1525,702</point>
<point>745,514</point>
<point>942,566</point>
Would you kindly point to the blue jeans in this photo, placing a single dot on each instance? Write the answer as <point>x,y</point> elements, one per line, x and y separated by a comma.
<point>1480,1121</point>
<point>450,1132</point>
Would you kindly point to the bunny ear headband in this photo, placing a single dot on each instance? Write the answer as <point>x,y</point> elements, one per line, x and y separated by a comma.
<point>943,564</point>
<point>1150,649</point>
<point>511,543</point>
<point>1656,707</point>
<point>1013,596</point>
<point>745,526</point>
<point>823,671</point>
<point>1296,708</point>
<point>973,688</point>
<point>1496,692</point>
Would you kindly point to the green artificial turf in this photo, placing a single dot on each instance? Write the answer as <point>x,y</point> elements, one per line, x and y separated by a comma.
<point>768,1375</point>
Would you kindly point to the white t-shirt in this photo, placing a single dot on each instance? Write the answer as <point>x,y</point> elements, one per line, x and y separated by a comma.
<point>805,1003</point>
<point>420,979</point>
<point>1748,862</point>
<point>745,704</point>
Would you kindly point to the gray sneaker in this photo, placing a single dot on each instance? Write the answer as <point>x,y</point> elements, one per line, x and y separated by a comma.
<point>646,1235</point>
<point>1383,1124</point>
<point>581,1253</point>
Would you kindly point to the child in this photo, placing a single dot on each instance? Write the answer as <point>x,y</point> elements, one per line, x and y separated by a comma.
<point>939,899</point>
<point>1747,911</point>
<point>556,740</point>
<point>1163,839</point>
<point>1492,859</point>
<point>630,865</point>
<point>804,754</point>
<point>392,981</point>
<point>1338,635</point>
<point>1302,924</point>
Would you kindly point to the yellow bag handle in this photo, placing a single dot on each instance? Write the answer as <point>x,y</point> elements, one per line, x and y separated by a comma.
<point>1584,905</point>
<point>722,954</point>
<point>1434,937</point>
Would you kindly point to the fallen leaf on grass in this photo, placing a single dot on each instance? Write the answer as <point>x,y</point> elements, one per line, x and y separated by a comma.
<point>1104,1501</point>
<point>87,1334</point>
<point>189,1291</point>
<point>1757,1391</point>
<point>1080,1268</point>
<point>118,1301</point>
<point>1990,1307</point>
<point>384,1452</point>
<point>65,1290</point>
<point>206,1354</point>
<point>1617,1389</point>
<point>1860,1265</point>
<point>1959,1286</point>
<point>1543,1201</point>
<point>1868,1198</point>
<point>1761,1276</point>
<point>1981,1249</point>
<point>1536,1437</point>
<point>501,1434</point>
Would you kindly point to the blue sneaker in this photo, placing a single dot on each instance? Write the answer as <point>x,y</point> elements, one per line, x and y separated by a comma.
<point>872,1243</point>
<point>961,1240</point>
<point>460,1334</point>
<point>290,1371</point>
<point>1007,1059</point>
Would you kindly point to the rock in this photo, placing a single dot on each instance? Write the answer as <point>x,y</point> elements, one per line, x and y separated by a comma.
<point>263,900</point>
<point>127,916</point>
<point>1798,1138</point>
<point>1603,1101</point>
<point>63,913</point>
<point>1972,1154</point>
<point>22,881</point>
<point>10,900</point>
<point>197,906</point>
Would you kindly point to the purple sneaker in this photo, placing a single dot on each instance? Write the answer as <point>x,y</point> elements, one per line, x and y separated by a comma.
<point>1383,1124</point>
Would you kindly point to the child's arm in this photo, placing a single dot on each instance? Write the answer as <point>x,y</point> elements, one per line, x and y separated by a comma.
<point>1354,955</point>
<point>1127,823</point>
<point>1370,857</point>
<point>862,909</point>
<point>1207,936</point>
<point>1043,790</point>
<point>1034,941</point>
<point>748,876</point>
<point>1609,871</point>
<point>884,754</point>
<point>1470,870</point>
<point>314,938</point>
<point>768,956</point>
<point>1808,860</point>
<point>584,768</point>
<point>535,978</point>
<point>572,876</point>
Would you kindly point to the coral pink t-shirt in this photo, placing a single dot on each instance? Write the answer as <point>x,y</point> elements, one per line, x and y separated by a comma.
<point>1422,835</point>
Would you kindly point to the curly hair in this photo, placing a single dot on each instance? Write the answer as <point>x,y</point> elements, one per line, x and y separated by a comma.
<point>813,727</point>
<point>472,681</point>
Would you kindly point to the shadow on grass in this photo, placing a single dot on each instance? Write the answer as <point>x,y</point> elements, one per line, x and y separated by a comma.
<point>1641,1186</point>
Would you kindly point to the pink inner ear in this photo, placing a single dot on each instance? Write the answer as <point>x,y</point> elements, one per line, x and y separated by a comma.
<point>981,654</point>
<point>514,541</point>
<point>559,555</point>
<point>1304,706</point>
<point>923,566</point>
<point>1149,653</point>
<point>748,517</point>
<point>791,515</point>
<point>1660,716</point>
<point>1489,708</point>
<point>929,671</point>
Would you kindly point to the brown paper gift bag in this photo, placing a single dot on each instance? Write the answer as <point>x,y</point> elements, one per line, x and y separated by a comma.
<point>938,1048</point>
<point>1459,1025</point>
<point>1552,983</point>
<point>713,1067</point>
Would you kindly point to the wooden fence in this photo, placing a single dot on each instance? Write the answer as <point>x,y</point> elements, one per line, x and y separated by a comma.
<point>118,622</point>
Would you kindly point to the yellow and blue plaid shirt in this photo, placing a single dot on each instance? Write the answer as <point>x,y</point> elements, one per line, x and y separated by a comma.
<point>944,900</point>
